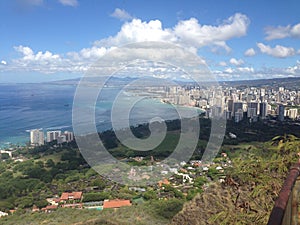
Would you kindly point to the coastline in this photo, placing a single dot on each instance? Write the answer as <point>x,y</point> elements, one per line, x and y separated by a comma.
<point>30,112</point>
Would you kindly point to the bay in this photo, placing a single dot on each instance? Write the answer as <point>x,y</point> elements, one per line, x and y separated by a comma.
<point>49,106</point>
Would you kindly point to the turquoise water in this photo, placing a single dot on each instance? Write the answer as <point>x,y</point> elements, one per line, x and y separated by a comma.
<point>29,106</point>
<point>49,106</point>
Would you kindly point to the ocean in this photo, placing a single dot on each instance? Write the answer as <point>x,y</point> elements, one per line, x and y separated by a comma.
<point>49,106</point>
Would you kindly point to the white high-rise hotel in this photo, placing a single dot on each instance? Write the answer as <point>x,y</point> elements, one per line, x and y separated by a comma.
<point>67,136</point>
<point>53,135</point>
<point>36,137</point>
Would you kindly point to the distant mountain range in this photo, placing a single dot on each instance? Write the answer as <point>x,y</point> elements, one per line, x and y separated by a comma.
<point>288,82</point>
<point>291,83</point>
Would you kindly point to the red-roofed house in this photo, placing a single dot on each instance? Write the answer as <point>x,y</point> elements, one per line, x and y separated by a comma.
<point>73,196</point>
<point>116,203</point>
<point>53,201</point>
<point>164,181</point>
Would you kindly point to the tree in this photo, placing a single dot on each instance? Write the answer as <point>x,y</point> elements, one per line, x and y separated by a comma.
<point>4,156</point>
<point>150,195</point>
<point>168,208</point>
<point>6,205</point>
<point>213,173</point>
<point>41,203</point>
<point>200,181</point>
<point>95,196</point>
<point>192,193</point>
<point>24,202</point>
<point>100,183</point>
<point>50,163</point>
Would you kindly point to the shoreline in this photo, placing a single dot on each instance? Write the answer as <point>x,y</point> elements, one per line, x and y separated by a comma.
<point>22,139</point>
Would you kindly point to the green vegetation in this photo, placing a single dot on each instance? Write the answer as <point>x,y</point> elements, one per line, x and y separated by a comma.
<point>251,186</point>
<point>261,155</point>
<point>153,212</point>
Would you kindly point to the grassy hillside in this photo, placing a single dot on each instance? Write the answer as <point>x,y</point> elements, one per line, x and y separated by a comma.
<point>150,213</point>
<point>247,196</point>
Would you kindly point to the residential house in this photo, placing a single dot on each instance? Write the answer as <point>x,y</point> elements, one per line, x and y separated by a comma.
<point>53,201</point>
<point>71,197</point>
<point>116,203</point>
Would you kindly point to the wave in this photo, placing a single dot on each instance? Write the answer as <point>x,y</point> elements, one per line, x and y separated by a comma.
<point>58,127</point>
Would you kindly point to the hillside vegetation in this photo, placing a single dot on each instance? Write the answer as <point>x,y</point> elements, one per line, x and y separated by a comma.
<point>247,196</point>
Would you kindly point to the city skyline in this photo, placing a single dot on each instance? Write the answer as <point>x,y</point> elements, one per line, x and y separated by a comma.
<point>238,103</point>
<point>58,40</point>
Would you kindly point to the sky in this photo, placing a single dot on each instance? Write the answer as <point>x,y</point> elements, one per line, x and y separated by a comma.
<point>45,40</point>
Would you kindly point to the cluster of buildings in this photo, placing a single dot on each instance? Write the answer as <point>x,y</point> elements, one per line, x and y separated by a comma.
<point>234,103</point>
<point>181,176</point>
<point>37,137</point>
<point>76,200</point>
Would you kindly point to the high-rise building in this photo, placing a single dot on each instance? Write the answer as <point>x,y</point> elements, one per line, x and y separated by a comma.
<point>237,106</point>
<point>61,139</point>
<point>292,113</point>
<point>69,136</point>
<point>37,137</point>
<point>262,92</point>
<point>53,135</point>
<point>227,115</point>
<point>238,115</point>
<point>280,111</point>
<point>230,105</point>
<point>252,108</point>
<point>263,109</point>
<point>215,112</point>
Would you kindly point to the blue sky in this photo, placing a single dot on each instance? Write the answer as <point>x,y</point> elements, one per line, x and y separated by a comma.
<point>42,40</point>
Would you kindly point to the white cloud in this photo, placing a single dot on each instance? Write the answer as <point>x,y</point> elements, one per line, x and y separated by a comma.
<point>250,52</point>
<point>121,14</point>
<point>278,51</point>
<point>277,32</point>
<point>189,34</point>
<point>192,33</point>
<point>29,55</point>
<point>229,70</point>
<point>239,70</point>
<point>3,62</point>
<point>263,73</point>
<point>72,3</point>
<point>295,31</point>
<point>45,62</point>
<point>245,69</point>
<point>281,32</point>
<point>222,63</point>
<point>294,70</point>
<point>91,54</point>
<point>236,62</point>
<point>138,31</point>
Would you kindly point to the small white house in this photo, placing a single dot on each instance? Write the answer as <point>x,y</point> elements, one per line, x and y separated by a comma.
<point>183,163</point>
<point>3,214</point>
<point>219,168</point>
<point>205,168</point>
